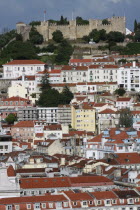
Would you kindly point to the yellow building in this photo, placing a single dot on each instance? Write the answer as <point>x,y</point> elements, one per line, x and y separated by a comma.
<point>83,117</point>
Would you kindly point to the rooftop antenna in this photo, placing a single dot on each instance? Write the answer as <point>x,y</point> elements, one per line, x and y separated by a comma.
<point>44,15</point>
<point>72,14</point>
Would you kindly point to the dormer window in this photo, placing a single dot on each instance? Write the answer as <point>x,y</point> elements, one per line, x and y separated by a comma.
<point>98,202</point>
<point>84,203</point>
<point>74,203</point>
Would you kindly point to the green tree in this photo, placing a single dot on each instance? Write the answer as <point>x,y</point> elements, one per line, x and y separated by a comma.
<point>81,21</point>
<point>11,118</point>
<point>135,25</point>
<point>126,118</point>
<point>62,21</point>
<point>45,82</point>
<point>105,22</point>
<point>123,61</point>
<point>49,98</point>
<point>98,35</point>
<point>67,95</point>
<point>5,38</point>
<point>18,50</point>
<point>86,38</point>
<point>35,36</point>
<point>51,48</point>
<point>115,36</point>
<point>57,36</point>
<point>64,52</point>
<point>120,91</point>
<point>137,36</point>
<point>19,37</point>
<point>35,23</point>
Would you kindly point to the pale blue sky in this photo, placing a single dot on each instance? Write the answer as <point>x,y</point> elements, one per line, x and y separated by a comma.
<point>13,11</point>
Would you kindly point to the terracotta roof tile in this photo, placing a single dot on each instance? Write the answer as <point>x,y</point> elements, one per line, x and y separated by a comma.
<point>33,199</point>
<point>24,124</point>
<point>25,62</point>
<point>15,98</point>
<point>102,195</point>
<point>123,99</point>
<point>10,171</point>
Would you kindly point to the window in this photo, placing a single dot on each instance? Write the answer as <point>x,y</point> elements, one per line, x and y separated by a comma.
<point>90,202</point>
<point>6,146</point>
<point>28,206</point>
<point>74,203</point>
<point>98,202</point>
<point>43,205</point>
<point>17,207</point>
<point>1,147</point>
<point>108,201</point>
<point>84,203</point>
<point>37,205</point>
<point>9,207</point>
<point>65,204</point>
<point>114,201</point>
<point>50,205</point>
<point>121,201</point>
<point>59,204</point>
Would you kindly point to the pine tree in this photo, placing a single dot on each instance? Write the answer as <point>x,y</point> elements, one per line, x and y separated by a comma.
<point>126,118</point>
<point>67,95</point>
<point>135,25</point>
<point>45,82</point>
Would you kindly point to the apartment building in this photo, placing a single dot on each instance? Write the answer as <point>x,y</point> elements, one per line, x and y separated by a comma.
<point>71,74</point>
<point>16,68</point>
<point>129,76</point>
<point>51,115</point>
<point>102,73</point>
<point>5,144</point>
<point>83,117</point>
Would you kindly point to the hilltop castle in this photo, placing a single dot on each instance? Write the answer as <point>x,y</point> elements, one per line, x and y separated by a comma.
<point>72,30</point>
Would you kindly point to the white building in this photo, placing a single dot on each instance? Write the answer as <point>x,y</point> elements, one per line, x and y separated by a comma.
<point>71,74</point>
<point>129,76</point>
<point>102,73</point>
<point>122,103</point>
<point>15,68</point>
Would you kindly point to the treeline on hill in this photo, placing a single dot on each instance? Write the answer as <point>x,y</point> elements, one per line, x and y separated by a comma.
<point>101,35</point>
<point>20,50</point>
<point>6,37</point>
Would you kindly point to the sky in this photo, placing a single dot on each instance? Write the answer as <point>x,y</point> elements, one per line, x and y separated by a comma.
<point>13,11</point>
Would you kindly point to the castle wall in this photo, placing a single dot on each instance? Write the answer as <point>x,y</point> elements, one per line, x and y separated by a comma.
<point>73,31</point>
<point>82,30</point>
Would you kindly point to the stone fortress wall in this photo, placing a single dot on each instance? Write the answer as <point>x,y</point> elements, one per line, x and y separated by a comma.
<point>72,30</point>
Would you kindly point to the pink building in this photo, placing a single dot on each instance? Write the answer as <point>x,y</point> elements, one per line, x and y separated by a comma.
<point>23,130</point>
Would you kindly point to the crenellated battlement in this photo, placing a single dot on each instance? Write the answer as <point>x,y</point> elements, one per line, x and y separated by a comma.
<point>72,30</point>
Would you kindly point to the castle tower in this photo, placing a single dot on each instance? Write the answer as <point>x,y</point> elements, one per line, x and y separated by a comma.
<point>73,30</point>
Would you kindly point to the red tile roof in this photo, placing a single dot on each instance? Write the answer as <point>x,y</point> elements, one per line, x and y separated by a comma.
<point>15,98</point>
<point>30,77</point>
<point>78,196</point>
<point>39,134</point>
<point>86,180</point>
<point>29,183</point>
<point>25,62</point>
<point>107,111</point>
<point>95,66</point>
<point>60,182</point>
<point>32,199</point>
<point>24,124</point>
<point>123,99</point>
<point>80,60</point>
<point>104,195</point>
<point>10,171</point>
